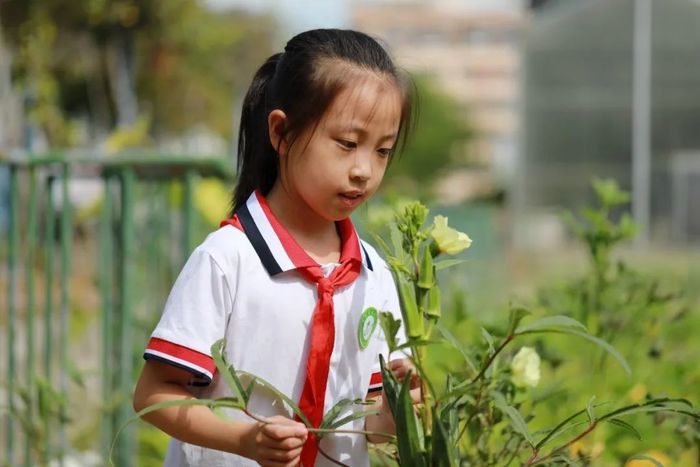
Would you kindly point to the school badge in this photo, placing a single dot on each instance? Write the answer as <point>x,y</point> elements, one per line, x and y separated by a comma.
<point>368,323</point>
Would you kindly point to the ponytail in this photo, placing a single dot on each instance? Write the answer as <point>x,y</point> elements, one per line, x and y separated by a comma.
<point>302,82</point>
<point>257,158</point>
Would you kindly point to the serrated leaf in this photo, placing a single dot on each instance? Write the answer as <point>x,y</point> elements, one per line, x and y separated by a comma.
<point>390,326</point>
<point>551,322</point>
<point>516,420</point>
<point>626,426</point>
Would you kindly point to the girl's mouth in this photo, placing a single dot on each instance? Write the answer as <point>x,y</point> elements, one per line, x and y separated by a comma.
<point>351,199</point>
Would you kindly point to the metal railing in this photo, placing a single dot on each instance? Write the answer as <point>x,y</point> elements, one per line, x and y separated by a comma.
<point>146,202</point>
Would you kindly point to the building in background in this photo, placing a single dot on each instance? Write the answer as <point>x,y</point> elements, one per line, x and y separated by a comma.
<point>578,108</point>
<point>471,51</point>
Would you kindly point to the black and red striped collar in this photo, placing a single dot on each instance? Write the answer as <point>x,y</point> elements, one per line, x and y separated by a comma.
<point>276,248</point>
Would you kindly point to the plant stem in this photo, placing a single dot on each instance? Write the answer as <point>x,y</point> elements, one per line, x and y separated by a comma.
<point>492,357</point>
<point>427,399</point>
<point>327,431</point>
<point>534,459</point>
<point>323,453</point>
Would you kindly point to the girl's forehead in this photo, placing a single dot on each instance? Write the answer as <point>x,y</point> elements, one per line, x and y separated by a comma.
<point>371,100</point>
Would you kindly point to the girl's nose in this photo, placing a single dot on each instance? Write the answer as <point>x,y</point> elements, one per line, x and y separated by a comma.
<point>361,168</point>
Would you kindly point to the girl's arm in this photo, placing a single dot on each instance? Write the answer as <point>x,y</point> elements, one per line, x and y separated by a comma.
<point>275,443</point>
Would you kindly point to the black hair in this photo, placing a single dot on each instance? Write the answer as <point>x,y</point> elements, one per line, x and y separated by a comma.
<point>302,83</point>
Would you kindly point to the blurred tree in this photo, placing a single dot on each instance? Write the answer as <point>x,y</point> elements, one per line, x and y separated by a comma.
<point>440,132</point>
<point>113,60</point>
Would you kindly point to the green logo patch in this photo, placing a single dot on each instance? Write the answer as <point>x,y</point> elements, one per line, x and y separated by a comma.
<point>368,323</point>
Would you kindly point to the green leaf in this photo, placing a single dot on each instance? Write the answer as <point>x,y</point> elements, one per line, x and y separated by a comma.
<point>330,416</point>
<point>644,457</point>
<point>489,340</point>
<point>450,338</point>
<point>599,342</point>
<point>353,416</point>
<point>516,420</point>
<point>447,263</point>
<point>626,426</point>
<point>391,327</point>
<point>217,354</point>
<point>442,451</point>
<point>409,440</point>
<point>419,343</point>
<point>589,410</point>
<point>651,406</point>
<point>516,315</point>
<point>280,395</point>
<point>228,402</point>
<point>551,322</point>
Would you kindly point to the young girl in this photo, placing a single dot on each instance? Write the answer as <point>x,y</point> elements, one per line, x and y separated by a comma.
<point>286,281</point>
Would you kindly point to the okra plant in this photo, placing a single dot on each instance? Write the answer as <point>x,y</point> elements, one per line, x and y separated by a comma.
<point>477,419</point>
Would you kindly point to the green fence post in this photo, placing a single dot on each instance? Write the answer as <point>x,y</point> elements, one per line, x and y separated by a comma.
<point>105,265</point>
<point>66,240</point>
<point>31,312</point>
<point>13,244</point>
<point>125,369</point>
<point>48,306</point>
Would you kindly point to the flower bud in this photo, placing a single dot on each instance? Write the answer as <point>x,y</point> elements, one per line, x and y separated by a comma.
<point>526,367</point>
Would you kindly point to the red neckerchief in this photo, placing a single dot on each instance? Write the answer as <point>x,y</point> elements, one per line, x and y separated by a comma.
<point>322,340</point>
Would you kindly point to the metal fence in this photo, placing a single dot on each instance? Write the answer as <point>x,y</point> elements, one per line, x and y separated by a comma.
<point>142,225</point>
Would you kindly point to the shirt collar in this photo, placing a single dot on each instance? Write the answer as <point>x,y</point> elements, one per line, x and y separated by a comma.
<point>277,249</point>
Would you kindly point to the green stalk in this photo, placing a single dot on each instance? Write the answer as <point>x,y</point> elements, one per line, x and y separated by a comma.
<point>426,396</point>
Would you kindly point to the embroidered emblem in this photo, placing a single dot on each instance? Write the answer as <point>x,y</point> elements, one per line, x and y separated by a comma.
<point>368,323</point>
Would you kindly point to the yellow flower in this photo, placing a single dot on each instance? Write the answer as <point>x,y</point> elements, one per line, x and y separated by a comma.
<point>447,239</point>
<point>637,393</point>
<point>658,456</point>
<point>526,367</point>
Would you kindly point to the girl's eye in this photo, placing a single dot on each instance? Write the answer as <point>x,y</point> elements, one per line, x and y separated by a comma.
<point>347,144</point>
<point>385,152</point>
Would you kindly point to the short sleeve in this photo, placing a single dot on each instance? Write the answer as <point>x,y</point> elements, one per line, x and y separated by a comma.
<point>194,317</point>
<point>391,304</point>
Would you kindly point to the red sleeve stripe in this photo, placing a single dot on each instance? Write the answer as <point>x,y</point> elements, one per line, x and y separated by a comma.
<point>375,382</point>
<point>182,356</point>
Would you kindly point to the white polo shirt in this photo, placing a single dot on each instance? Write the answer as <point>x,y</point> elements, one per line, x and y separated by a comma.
<point>243,286</point>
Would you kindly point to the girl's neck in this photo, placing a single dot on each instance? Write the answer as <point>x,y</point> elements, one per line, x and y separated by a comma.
<point>317,236</point>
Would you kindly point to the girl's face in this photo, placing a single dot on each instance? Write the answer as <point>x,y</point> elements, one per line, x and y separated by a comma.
<point>332,169</point>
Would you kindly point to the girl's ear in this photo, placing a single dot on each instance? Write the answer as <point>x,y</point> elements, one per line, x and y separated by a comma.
<point>276,124</point>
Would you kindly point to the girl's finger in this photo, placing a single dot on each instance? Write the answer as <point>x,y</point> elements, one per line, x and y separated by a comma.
<point>283,431</point>
<point>286,444</point>
<point>279,455</point>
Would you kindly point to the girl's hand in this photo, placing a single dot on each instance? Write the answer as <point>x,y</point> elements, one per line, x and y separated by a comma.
<point>278,442</point>
<point>400,368</point>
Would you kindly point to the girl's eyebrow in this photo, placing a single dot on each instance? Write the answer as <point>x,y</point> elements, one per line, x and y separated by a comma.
<point>361,131</point>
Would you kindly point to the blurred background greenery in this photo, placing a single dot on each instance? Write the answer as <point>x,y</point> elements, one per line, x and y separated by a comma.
<point>118,123</point>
